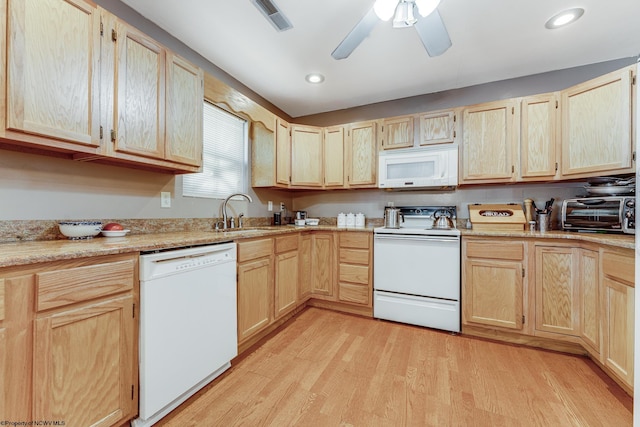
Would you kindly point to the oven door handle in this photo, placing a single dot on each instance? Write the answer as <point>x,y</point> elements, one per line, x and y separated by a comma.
<point>416,238</point>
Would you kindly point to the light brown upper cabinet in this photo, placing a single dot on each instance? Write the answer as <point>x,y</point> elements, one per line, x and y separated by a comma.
<point>539,137</point>
<point>397,132</point>
<point>596,126</point>
<point>185,87</point>
<point>362,155</point>
<point>139,113</point>
<point>488,142</point>
<point>438,127</point>
<point>334,146</point>
<point>82,82</point>
<point>157,101</point>
<point>306,156</point>
<point>53,76</point>
<point>283,152</point>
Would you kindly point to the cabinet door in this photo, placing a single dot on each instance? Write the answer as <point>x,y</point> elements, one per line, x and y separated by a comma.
<point>304,282</point>
<point>619,328</point>
<point>255,284</point>
<point>53,54</point>
<point>492,293</point>
<point>84,363</point>
<point>397,132</point>
<point>590,299</point>
<point>139,107</point>
<point>557,291</point>
<point>437,128</point>
<point>362,157</point>
<point>487,150</point>
<point>306,156</point>
<point>334,156</point>
<point>283,152</point>
<point>323,264</point>
<point>538,124</point>
<point>286,282</point>
<point>183,140</point>
<point>596,126</point>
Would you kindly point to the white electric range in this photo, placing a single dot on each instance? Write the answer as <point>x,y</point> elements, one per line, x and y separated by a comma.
<point>417,270</point>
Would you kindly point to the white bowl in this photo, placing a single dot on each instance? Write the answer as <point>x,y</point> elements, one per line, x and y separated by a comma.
<point>300,222</point>
<point>312,221</point>
<point>115,233</point>
<point>80,229</point>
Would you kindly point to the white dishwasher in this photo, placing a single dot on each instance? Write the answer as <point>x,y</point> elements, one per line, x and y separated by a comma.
<point>188,326</point>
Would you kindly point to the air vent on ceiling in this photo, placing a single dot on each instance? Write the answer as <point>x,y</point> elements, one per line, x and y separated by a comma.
<point>273,14</point>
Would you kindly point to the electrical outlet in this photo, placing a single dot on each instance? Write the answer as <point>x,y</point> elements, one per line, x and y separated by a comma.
<point>282,206</point>
<point>165,199</point>
<point>270,206</point>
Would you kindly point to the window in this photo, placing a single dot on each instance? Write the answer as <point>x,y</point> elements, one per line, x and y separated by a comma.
<point>224,156</point>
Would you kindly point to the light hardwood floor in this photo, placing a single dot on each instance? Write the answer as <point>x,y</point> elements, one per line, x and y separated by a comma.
<point>331,369</point>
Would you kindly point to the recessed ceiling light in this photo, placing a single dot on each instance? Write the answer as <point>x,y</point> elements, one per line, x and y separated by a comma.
<point>564,18</point>
<point>314,78</point>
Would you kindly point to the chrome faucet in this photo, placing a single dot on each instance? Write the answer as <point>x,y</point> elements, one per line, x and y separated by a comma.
<point>224,207</point>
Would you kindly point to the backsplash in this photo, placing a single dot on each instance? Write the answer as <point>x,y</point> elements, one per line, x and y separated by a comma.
<point>30,230</point>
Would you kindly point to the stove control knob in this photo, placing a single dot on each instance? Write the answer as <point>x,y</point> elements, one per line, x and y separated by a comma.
<point>629,214</point>
<point>631,203</point>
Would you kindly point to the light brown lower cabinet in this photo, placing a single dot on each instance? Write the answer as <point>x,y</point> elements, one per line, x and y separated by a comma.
<point>82,370</point>
<point>557,290</point>
<point>304,277</point>
<point>323,264</point>
<point>287,263</point>
<point>68,341</point>
<point>492,283</point>
<point>255,287</point>
<point>580,296</point>
<point>618,275</point>
<point>590,318</point>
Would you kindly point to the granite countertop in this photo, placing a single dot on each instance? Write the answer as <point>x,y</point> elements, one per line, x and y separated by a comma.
<point>30,252</point>
<point>626,241</point>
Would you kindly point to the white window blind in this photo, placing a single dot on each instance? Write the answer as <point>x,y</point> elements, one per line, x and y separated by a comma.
<point>224,156</point>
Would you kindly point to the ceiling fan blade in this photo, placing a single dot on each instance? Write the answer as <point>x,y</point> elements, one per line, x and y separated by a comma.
<point>356,36</point>
<point>433,34</point>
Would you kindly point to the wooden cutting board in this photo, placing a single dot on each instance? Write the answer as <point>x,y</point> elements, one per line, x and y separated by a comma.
<point>497,217</point>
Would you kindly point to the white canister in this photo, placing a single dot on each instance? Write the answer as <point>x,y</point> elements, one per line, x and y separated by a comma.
<point>359,220</point>
<point>351,220</point>
<point>342,220</point>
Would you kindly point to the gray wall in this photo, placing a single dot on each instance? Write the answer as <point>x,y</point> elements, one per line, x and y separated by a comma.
<point>40,187</point>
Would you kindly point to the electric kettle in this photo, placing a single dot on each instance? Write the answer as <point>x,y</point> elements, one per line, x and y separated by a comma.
<point>392,217</point>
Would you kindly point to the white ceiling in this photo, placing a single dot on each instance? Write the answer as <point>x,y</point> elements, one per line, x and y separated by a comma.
<point>492,40</point>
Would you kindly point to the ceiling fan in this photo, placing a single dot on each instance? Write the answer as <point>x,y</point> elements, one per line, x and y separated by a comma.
<point>426,21</point>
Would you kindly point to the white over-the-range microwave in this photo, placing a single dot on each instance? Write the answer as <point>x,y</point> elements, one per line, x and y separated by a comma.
<point>433,167</point>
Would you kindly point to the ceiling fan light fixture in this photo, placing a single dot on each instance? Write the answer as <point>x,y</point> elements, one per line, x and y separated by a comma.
<point>404,15</point>
<point>426,7</point>
<point>385,8</point>
<point>564,18</point>
<point>314,78</point>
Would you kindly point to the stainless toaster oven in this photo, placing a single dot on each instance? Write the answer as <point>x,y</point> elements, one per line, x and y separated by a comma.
<point>605,214</point>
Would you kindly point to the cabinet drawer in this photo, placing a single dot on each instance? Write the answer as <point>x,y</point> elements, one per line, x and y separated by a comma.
<point>495,250</point>
<point>358,240</point>
<point>286,243</point>
<point>350,292</point>
<point>354,273</point>
<point>63,287</point>
<point>619,266</point>
<point>354,256</point>
<point>254,249</point>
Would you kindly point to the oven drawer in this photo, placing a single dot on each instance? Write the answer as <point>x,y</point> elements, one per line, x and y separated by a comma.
<point>421,311</point>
